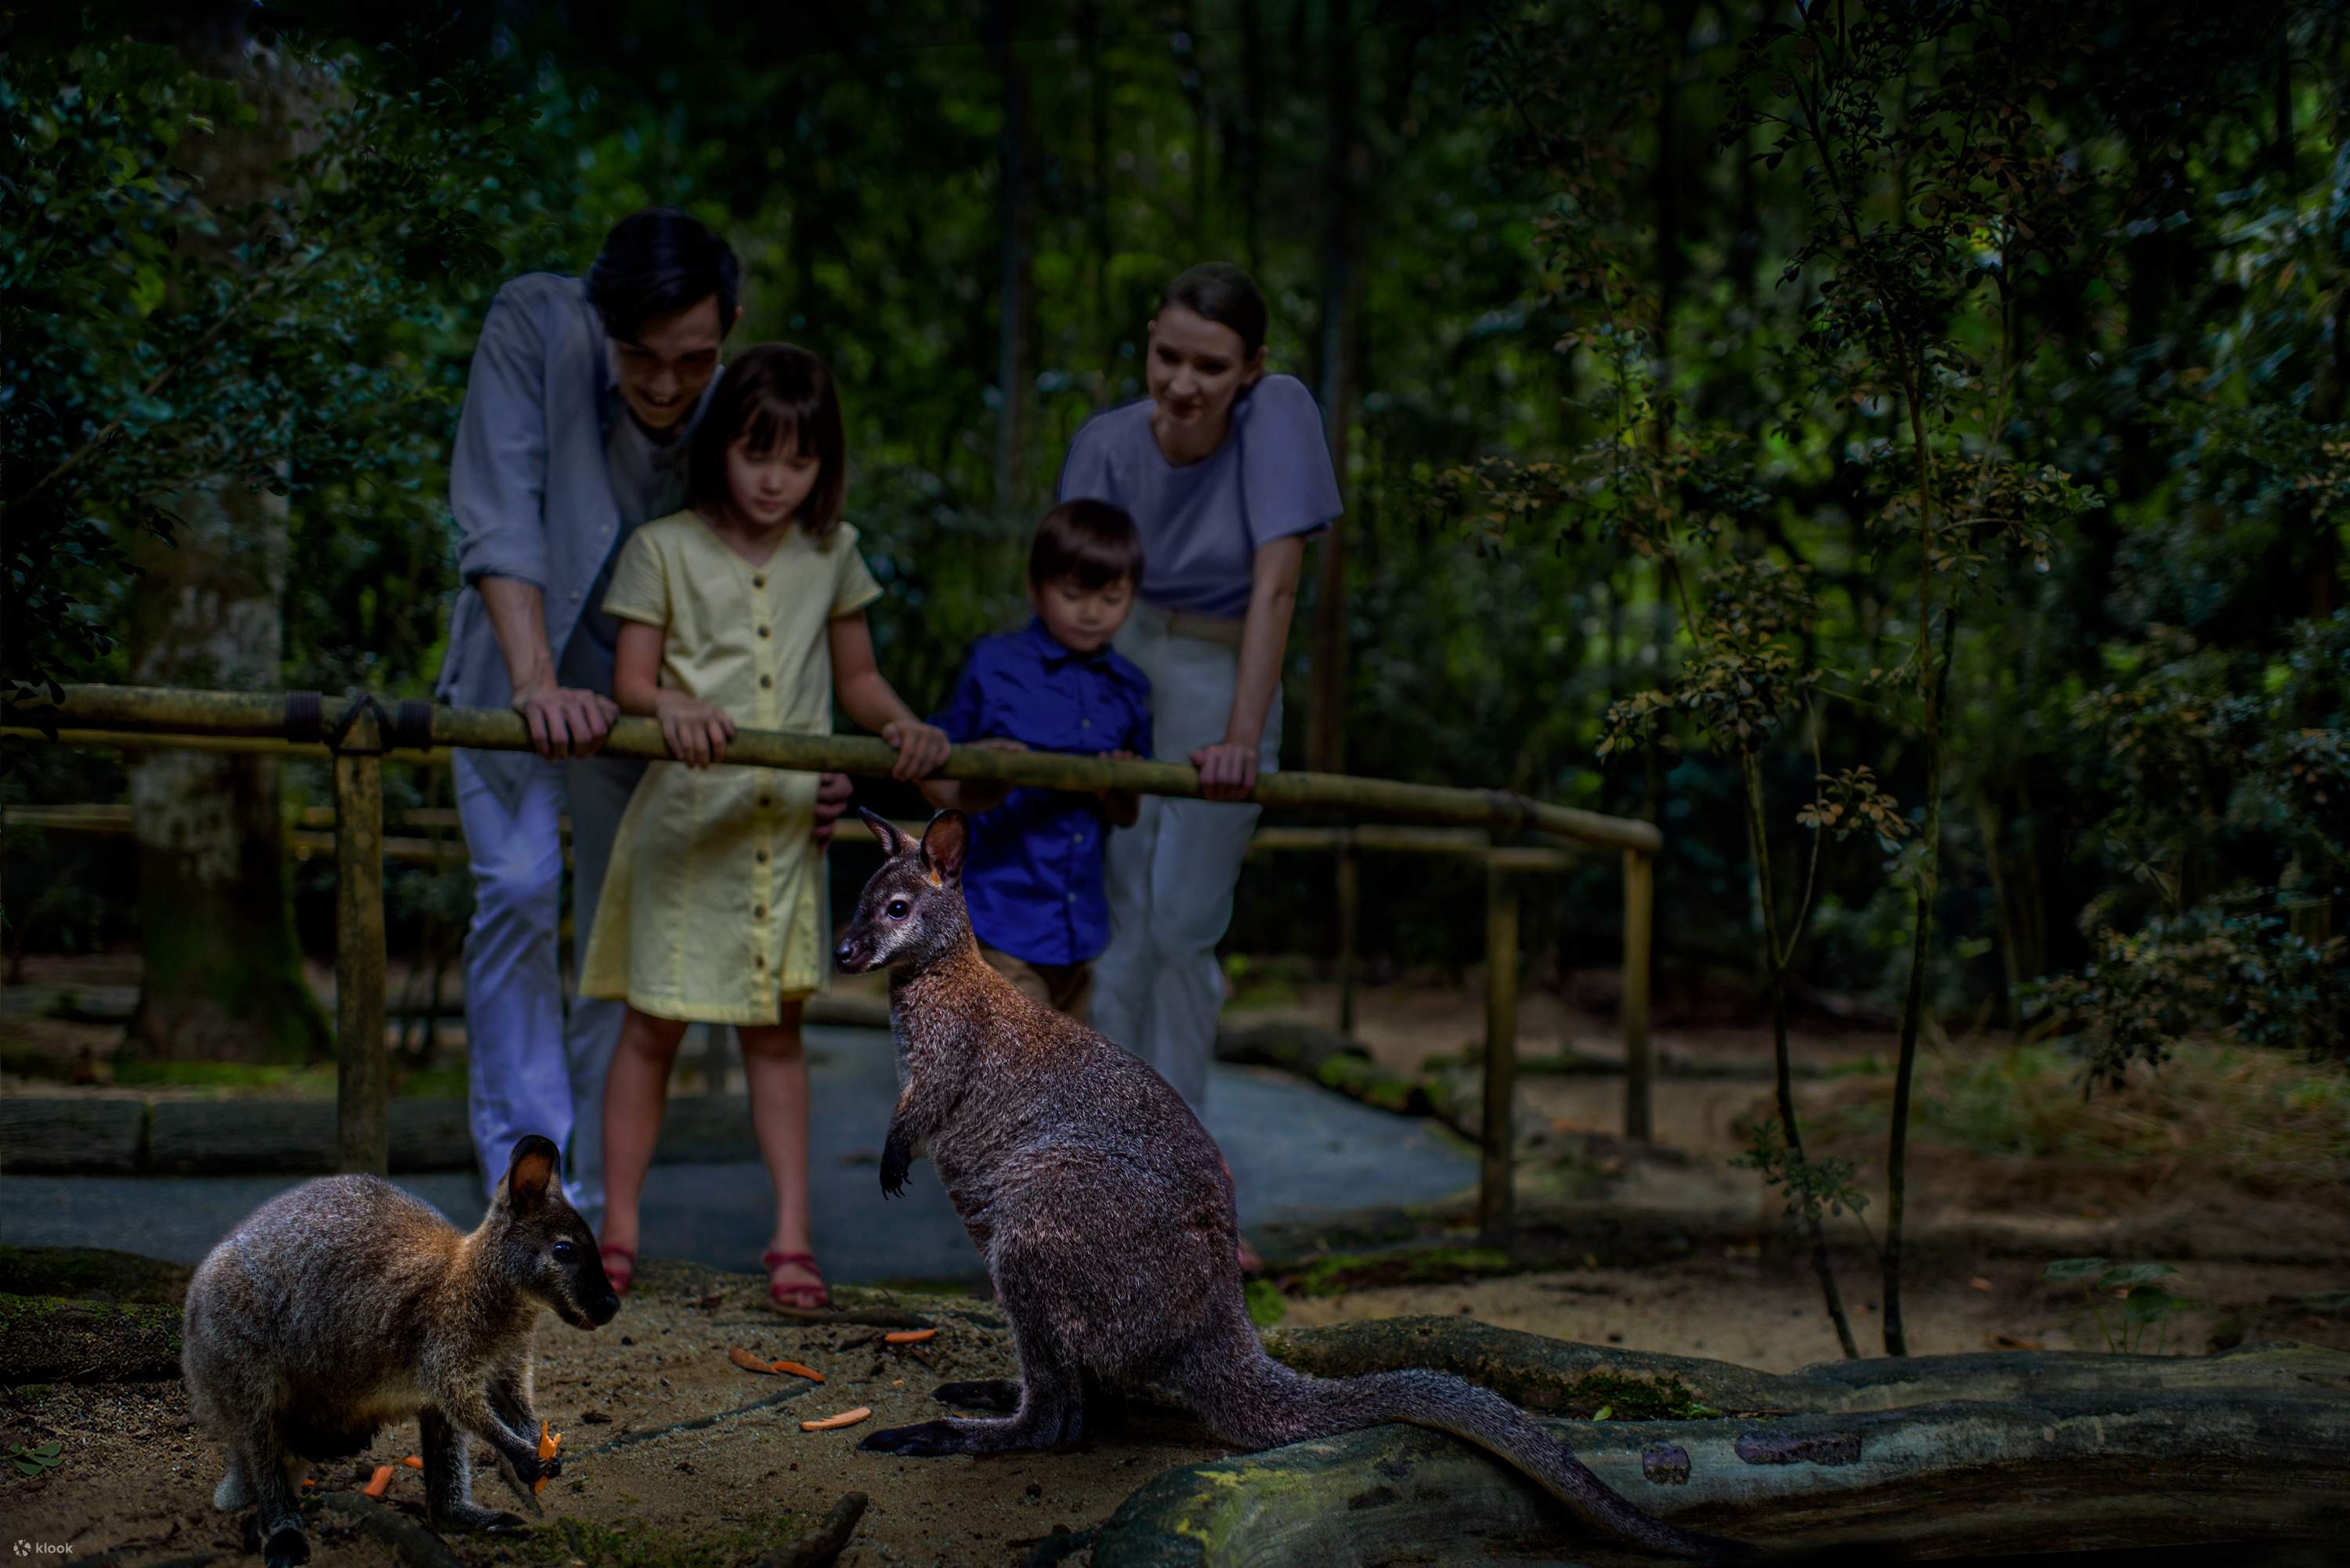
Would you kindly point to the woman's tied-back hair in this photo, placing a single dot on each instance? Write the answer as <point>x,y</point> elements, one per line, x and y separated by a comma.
<point>777,397</point>
<point>1091,543</point>
<point>1224,294</point>
<point>657,262</point>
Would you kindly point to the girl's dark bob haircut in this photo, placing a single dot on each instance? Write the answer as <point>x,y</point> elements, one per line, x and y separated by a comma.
<point>776,397</point>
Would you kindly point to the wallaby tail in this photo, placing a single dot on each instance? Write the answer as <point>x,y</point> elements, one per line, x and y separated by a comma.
<point>1263,1404</point>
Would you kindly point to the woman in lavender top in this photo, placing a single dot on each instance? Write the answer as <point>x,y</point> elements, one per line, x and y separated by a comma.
<point>1226,472</point>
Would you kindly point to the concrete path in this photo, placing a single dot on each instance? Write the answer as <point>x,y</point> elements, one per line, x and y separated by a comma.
<point>1297,1152</point>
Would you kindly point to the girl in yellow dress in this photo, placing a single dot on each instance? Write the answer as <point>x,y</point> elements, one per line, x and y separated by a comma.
<point>747,608</point>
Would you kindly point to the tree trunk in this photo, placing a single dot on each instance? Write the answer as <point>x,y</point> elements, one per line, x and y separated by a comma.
<point>1326,745</point>
<point>223,971</point>
<point>1775,957</point>
<point>1873,1461</point>
<point>1012,303</point>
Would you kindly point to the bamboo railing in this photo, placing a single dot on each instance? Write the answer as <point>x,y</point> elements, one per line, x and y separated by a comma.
<point>358,734</point>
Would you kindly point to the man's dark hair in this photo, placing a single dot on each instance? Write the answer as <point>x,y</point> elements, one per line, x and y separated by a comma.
<point>1224,294</point>
<point>1091,543</point>
<point>658,263</point>
<point>776,397</point>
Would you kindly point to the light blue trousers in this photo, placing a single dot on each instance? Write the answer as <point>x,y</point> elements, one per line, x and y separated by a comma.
<point>536,1067</point>
<point>1158,989</point>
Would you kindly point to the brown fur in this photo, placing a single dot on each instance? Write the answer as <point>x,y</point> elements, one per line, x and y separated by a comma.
<point>1105,1213</point>
<point>346,1306</point>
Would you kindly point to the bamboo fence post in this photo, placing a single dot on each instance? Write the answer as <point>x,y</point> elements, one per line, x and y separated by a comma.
<point>1349,931</point>
<point>1640,908</point>
<point>1497,1130</point>
<point>363,1069</point>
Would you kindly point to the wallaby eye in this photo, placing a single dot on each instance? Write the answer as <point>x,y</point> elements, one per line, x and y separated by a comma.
<point>897,907</point>
<point>564,1252</point>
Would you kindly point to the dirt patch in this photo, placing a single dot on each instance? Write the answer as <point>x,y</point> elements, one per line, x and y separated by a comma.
<point>673,1455</point>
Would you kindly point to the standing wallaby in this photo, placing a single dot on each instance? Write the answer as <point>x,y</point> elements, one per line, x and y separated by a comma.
<point>1105,1213</point>
<point>346,1304</point>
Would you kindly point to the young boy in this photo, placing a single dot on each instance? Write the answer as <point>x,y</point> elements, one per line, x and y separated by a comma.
<point>1033,880</point>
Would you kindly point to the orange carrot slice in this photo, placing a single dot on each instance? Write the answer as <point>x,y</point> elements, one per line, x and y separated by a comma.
<point>834,1423</point>
<point>748,1362</point>
<point>549,1441</point>
<point>414,1461</point>
<point>309,1481</point>
<point>796,1370</point>
<point>910,1335</point>
<point>378,1483</point>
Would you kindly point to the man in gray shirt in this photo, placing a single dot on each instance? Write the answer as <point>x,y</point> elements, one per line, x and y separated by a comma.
<point>579,410</point>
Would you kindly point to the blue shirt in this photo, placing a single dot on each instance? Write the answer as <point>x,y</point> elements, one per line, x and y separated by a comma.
<point>1202,523</point>
<point>1034,875</point>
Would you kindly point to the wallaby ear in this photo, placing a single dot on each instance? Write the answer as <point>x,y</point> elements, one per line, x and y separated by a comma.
<point>531,1174</point>
<point>945,843</point>
<point>893,842</point>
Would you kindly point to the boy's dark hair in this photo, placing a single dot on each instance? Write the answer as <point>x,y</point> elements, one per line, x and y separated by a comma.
<point>658,263</point>
<point>1224,294</point>
<point>776,396</point>
<point>1091,542</point>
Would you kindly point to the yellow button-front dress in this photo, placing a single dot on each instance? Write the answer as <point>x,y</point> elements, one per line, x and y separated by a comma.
<point>711,911</point>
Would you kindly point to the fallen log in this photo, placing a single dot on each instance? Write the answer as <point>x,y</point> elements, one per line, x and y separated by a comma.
<point>1936,1457</point>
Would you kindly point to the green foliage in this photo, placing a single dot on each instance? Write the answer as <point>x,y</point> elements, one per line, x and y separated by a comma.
<point>2146,1302</point>
<point>1814,1188</point>
<point>35,1461</point>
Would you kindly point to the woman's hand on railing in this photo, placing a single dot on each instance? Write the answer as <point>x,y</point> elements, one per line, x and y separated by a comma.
<point>1227,770</point>
<point>832,792</point>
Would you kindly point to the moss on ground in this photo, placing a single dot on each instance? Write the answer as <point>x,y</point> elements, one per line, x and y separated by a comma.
<point>1342,1272</point>
<point>97,1272</point>
<point>735,1540</point>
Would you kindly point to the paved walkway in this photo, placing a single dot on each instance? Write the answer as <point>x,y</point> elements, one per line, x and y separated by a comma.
<point>1297,1152</point>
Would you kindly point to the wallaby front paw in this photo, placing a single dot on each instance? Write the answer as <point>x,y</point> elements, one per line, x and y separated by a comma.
<point>287,1547</point>
<point>998,1395</point>
<point>519,1470</point>
<point>925,1440</point>
<point>897,1160</point>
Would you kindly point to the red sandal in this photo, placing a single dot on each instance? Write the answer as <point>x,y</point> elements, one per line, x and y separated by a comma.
<point>623,1276</point>
<point>796,1296</point>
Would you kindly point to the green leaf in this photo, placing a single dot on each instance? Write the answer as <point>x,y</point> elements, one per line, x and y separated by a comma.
<point>1602,1412</point>
<point>2135,1274</point>
<point>2069,1269</point>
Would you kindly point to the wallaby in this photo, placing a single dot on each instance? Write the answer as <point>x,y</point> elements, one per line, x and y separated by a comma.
<point>346,1304</point>
<point>1105,1213</point>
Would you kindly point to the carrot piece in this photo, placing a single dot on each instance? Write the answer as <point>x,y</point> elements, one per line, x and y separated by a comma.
<point>309,1481</point>
<point>549,1441</point>
<point>378,1483</point>
<point>833,1423</point>
<point>748,1362</point>
<point>910,1335</point>
<point>796,1370</point>
<point>414,1461</point>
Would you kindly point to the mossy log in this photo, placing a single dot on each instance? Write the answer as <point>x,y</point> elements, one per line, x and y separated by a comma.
<point>1937,1456</point>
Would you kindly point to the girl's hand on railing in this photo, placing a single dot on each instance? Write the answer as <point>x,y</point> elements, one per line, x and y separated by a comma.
<point>920,747</point>
<point>696,732</point>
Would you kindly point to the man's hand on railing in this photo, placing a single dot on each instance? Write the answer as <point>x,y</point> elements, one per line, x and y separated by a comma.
<point>564,722</point>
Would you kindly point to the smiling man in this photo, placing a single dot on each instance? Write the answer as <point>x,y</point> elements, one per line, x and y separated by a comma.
<point>581,397</point>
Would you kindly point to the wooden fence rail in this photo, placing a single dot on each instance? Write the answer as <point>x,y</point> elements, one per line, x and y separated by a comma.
<point>358,734</point>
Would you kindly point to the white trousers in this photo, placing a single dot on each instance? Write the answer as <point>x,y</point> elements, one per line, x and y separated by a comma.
<point>534,1069</point>
<point>1158,989</point>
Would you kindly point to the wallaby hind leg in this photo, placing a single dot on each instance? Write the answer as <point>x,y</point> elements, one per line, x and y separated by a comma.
<point>1050,1408</point>
<point>449,1479</point>
<point>271,1475</point>
<point>1105,1404</point>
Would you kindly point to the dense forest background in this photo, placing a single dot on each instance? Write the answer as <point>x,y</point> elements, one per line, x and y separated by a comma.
<point>1906,440</point>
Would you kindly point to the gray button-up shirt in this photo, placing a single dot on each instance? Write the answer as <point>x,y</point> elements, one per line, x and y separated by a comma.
<point>535,496</point>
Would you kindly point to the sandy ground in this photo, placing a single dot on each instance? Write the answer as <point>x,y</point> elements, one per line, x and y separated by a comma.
<point>137,1479</point>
